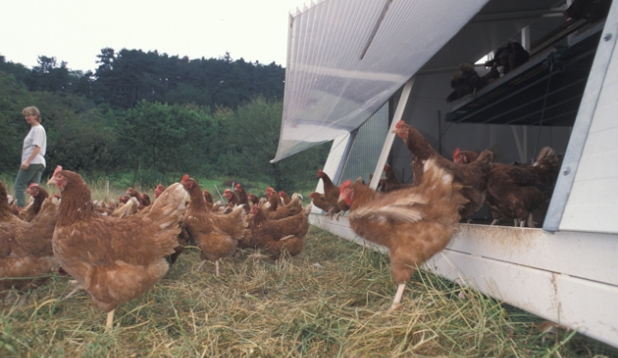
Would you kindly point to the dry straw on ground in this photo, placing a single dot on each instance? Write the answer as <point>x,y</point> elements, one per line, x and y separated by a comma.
<point>327,302</point>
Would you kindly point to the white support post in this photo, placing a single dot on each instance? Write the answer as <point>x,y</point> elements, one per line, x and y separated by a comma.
<point>390,136</point>
<point>524,130</point>
<point>525,38</point>
<point>521,149</point>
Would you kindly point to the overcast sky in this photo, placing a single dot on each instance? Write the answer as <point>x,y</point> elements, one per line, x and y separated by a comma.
<point>75,31</point>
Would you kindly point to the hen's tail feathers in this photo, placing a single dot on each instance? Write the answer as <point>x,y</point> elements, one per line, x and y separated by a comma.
<point>297,195</point>
<point>126,209</point>
<point>167,212</point>
<point>486,156</point>
<point>547,156</point>
<point>170,203</point>
<point>439,182</point>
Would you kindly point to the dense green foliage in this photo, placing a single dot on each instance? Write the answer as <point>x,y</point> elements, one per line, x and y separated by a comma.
<point>154,118</point>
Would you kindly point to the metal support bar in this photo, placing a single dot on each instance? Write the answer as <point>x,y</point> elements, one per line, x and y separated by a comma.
<point>583,122</point>
<point>390,136</point>
<point>521,148</point>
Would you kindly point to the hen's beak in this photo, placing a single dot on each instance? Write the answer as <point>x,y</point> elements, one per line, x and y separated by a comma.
<point>52,181</point>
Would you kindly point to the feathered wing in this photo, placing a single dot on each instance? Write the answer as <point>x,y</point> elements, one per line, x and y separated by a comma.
<point>28,253</point>
<point>116,260</point>
<point>406,208</point>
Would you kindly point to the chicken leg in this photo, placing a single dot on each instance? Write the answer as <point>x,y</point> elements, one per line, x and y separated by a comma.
<point>530,222</point>
<point>200,266</point>
<point>110,320</point>
<point>397,299</point>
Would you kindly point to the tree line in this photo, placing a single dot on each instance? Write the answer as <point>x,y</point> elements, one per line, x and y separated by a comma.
<point>152,117</point>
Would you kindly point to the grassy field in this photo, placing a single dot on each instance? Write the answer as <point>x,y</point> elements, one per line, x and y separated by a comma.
<point>327,302</point>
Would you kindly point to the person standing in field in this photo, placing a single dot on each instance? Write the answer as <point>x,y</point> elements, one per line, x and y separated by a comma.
<point>32,155</point>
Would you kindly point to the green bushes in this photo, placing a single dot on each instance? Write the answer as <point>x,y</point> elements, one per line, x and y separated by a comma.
<point>154,142</point>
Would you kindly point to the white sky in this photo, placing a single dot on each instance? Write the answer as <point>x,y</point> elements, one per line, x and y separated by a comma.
<point>75,31</point>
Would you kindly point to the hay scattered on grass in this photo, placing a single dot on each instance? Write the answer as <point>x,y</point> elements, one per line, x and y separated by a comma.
<point>327,302</point>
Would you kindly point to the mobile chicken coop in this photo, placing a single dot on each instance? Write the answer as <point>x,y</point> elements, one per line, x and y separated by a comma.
<point>355,67</point>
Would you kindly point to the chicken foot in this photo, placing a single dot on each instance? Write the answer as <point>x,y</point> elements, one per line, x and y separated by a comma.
<point>530,220</point>
<point>397,299</point>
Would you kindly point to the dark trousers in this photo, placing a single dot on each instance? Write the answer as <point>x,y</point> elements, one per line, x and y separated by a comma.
<point>24,178</point>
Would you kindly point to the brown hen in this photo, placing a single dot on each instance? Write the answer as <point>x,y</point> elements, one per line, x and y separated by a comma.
<point>414,223</point>
<point>26,249</point>
<point>115,260</point>
<point>216,235</point>
<point>273,236</point>
<point>38,194</point>
<point>473,176</point>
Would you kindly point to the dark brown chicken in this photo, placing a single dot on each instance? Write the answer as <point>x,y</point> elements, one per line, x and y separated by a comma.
<point>464,82</point>
<point>275,210</point>
<point>26,249</point>
<point>490,76</point>
<point>414,223</point>
<point>473,176</point>
<point>390,181</point>
<point>464,156</point>
<point>331,193</point>
<point>273,236</point>
<point>518,55</point>
<point>216,235</point>
<point>514,191</point>
<point>295,205</point>
<point>242,195</point>
<point>285,198</point>
<point>253,200</point>
<point>591,10</point>
<point>38,194</point>
<point>143,198</point>
<point>320,201</point>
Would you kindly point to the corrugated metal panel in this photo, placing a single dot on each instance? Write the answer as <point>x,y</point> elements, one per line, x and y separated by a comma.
<point>367,146</point>
<point>347,57</point>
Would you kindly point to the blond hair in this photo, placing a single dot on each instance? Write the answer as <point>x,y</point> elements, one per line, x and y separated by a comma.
<point>32,111</point>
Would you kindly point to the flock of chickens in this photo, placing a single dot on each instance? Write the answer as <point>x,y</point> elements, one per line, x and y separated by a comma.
<point>118,252</point>
<point>467,81</point>
<point>415,221</point>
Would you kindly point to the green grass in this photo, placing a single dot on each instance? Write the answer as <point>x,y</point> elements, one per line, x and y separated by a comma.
<point>327,302</point>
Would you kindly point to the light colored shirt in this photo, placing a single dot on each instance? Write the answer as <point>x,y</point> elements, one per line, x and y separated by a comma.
<point>36,137</point>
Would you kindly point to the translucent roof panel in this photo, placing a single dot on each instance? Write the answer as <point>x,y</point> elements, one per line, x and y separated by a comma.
<point>346,58</point>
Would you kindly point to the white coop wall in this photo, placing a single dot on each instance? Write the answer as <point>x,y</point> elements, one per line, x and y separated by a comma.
<point>593,202</point>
